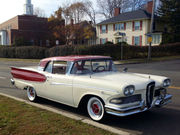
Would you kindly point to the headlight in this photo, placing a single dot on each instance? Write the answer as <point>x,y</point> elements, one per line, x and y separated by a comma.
<point>129,90</point>
<point>166,83</point>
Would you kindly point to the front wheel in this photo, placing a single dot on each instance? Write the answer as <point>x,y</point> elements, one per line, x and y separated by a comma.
<point>31,93</point>
<point>95,109</point>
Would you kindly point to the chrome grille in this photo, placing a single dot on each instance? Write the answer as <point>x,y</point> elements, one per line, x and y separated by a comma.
<point>150,94</point>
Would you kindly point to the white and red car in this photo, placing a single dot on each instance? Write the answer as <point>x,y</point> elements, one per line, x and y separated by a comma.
<point>93,81</point>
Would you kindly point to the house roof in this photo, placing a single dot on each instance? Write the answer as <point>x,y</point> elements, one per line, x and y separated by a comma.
<point>133,15</point>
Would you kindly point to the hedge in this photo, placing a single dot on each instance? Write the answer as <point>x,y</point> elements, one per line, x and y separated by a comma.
<point>129,52</point>
<point>28,52</point>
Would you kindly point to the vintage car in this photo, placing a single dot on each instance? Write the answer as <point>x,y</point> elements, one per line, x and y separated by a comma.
<point>94,82</point>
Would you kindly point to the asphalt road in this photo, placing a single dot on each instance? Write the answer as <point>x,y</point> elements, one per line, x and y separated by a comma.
<point>164,120</point>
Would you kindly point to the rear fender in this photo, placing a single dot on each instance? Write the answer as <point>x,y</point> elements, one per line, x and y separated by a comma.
<point>21,84</point>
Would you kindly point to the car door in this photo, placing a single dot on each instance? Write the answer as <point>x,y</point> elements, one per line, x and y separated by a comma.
<point>58,86</point>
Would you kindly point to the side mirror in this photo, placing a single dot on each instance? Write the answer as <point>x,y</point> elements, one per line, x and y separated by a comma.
<point>125,69</point>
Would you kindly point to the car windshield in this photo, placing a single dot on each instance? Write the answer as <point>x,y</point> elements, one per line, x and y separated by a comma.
<point>93,66</point>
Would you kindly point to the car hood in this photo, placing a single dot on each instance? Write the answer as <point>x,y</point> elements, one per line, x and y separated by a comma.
<point>119,80</point>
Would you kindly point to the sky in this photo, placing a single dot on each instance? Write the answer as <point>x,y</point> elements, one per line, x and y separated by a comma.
<point>12,8</point>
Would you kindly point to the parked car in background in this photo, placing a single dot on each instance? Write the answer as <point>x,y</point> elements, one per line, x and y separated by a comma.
<point>95,82</point>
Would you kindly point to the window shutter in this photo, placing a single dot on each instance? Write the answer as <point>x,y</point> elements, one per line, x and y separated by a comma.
<point>113,27</point>
<point>140,40</point>
<point>100,41</point>
<point>132,40</point>
<point>141,23</point>
<point>106,28</point>
<point>133,25</point>
<point>124,26</point>
<point>100,28</point>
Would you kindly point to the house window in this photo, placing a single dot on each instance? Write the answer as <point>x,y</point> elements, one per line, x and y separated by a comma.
<point>119,26</point>
<point>103,40</point>
<point>156,39</point>
<point>103,28</point>
<point>137,25</point>
<point>118,40</point>
<point>136,40</point>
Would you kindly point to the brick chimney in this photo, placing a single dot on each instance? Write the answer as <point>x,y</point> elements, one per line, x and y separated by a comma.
<point>117,11</point>
<point>149,6</point>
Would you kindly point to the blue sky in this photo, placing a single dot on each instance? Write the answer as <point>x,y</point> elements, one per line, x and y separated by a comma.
<point>11,8</point>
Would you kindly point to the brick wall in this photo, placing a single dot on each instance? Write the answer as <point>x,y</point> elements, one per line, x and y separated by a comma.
<point>31,28</point>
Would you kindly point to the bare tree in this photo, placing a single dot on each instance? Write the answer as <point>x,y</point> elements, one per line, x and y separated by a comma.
<point>67,13</point>
<point>137,4</point>
<point>90,10</point>
<point>77,11</point>
<point>106,7</point>
<point>39,12</point>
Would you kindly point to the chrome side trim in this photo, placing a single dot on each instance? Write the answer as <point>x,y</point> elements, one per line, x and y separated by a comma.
<point>94,88</point>
<point>83,86</point>
<point>56,83</point>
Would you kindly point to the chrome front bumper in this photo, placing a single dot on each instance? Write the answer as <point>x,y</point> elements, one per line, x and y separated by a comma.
<point>163,101</point>
<point>159,102</point>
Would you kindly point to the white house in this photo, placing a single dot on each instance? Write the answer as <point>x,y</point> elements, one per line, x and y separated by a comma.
<point>131,27</point>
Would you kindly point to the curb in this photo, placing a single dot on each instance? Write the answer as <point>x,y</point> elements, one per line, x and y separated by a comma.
<point>69,115</point>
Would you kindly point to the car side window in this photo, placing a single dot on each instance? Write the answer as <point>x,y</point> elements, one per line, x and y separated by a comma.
<point>81,67</point>
<point>59,67</point>
<point>49,67</point>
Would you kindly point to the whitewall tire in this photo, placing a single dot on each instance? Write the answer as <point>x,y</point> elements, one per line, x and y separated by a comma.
<point>31,93</point>
<point>95,109</point>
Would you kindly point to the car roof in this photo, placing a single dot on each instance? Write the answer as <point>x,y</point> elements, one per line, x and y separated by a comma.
<point>43,62</point>
<point>76,58</point>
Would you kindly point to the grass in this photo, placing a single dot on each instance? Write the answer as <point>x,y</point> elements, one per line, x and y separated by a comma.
<point>17,118</point>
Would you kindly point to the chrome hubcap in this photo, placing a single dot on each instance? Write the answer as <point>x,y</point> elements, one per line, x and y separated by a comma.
<point>95,108</point>
<point>31,94</point>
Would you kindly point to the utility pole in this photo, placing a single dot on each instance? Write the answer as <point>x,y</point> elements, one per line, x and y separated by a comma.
<point>151,29</point>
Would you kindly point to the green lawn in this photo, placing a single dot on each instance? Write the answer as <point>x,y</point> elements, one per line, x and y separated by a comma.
<point>17,118</point>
